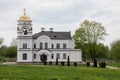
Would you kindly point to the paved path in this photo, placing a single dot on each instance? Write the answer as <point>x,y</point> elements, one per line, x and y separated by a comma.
<point>9,63</point>
<point>110,67</point>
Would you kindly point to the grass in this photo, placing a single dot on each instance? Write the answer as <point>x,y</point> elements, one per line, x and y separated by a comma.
<point>41,72</point>
<point>114,64</point>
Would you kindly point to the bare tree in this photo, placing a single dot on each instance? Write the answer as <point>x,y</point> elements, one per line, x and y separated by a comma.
<point>14,42</point>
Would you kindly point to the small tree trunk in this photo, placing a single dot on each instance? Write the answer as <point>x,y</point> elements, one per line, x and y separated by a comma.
<point>95,63</point>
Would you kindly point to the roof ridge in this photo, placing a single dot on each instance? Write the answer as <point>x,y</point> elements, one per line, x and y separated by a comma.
<point>59,35</point>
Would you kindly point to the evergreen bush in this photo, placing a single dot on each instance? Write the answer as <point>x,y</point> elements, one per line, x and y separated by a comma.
<point>102,64</point>
<point>75,64</point>
<point>50,62</point>
<point>87,64</point>
<point>62,63</point>
<point>68,61</point>
<point>45,63</point>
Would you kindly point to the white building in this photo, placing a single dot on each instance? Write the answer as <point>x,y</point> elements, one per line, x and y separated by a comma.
<point>45,45</point>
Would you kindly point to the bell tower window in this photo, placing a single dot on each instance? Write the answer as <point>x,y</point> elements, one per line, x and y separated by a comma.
<point>25,31</point>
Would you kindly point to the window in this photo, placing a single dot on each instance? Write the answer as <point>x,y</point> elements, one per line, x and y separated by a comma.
<point>64,56</point>
<point>34,56</point>
<point>25,31</point>
<point>64,46</point>
<point>34,45</point>
<point>58,46</point>
<point>46,45</point>
<point>24,46</point>
<point>52,56</point>
<point>24,56</point>
<point>41,45</point>
<point>52,46</point>
<point>58,56</point>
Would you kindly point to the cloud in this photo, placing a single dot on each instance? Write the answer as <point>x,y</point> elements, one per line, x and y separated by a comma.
<point>63,15</point>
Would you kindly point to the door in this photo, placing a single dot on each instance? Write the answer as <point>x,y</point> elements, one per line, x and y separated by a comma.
<point>43,58</point>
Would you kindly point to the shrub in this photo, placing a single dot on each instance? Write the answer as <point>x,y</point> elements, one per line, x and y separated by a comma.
<point>87,64</point>
<point>7,59</point>
<point>54,79</point>
<point>75,64</point>
<point>45,63</point>
<point>2,58</point>
<point>62,63</point>
<point>50,62</point>
<point>102,64</point>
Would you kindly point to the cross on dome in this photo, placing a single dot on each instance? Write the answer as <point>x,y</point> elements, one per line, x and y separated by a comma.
<point>24,11</point>
<point>24,17</point>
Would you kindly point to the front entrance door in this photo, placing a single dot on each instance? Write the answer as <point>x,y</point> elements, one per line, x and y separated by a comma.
<point>43,58</point>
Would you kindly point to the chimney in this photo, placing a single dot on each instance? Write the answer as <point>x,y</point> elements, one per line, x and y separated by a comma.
<point>51,29</point>
<point>42,29</point>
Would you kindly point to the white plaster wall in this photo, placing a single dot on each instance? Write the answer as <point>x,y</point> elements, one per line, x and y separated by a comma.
<point>71,44</point>
<point>61,42</point>
<point>21,50</point>
<point>42,39</point>
<point>28,41</point>
<point>20,56</point>
<point>61,56</point>
<point>74,55</point>
<point>20,33</point>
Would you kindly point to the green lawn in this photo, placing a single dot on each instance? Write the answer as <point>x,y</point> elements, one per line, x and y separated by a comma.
<point>41,72</point>
<point>114,64</point>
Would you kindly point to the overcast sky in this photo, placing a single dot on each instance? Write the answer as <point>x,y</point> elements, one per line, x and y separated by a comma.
<point>62,15</point>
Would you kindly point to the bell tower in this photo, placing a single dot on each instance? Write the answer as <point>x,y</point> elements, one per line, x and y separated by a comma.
<point>24,38</point>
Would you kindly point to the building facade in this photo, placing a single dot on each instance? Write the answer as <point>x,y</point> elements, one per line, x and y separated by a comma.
<point>45,45</point>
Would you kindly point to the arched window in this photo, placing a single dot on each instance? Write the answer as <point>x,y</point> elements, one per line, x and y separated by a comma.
<point>24,56</point>
<point>41,45</point>
<point>46,45</point>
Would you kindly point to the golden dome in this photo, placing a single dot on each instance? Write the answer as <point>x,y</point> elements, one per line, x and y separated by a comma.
<point>24,17</point>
